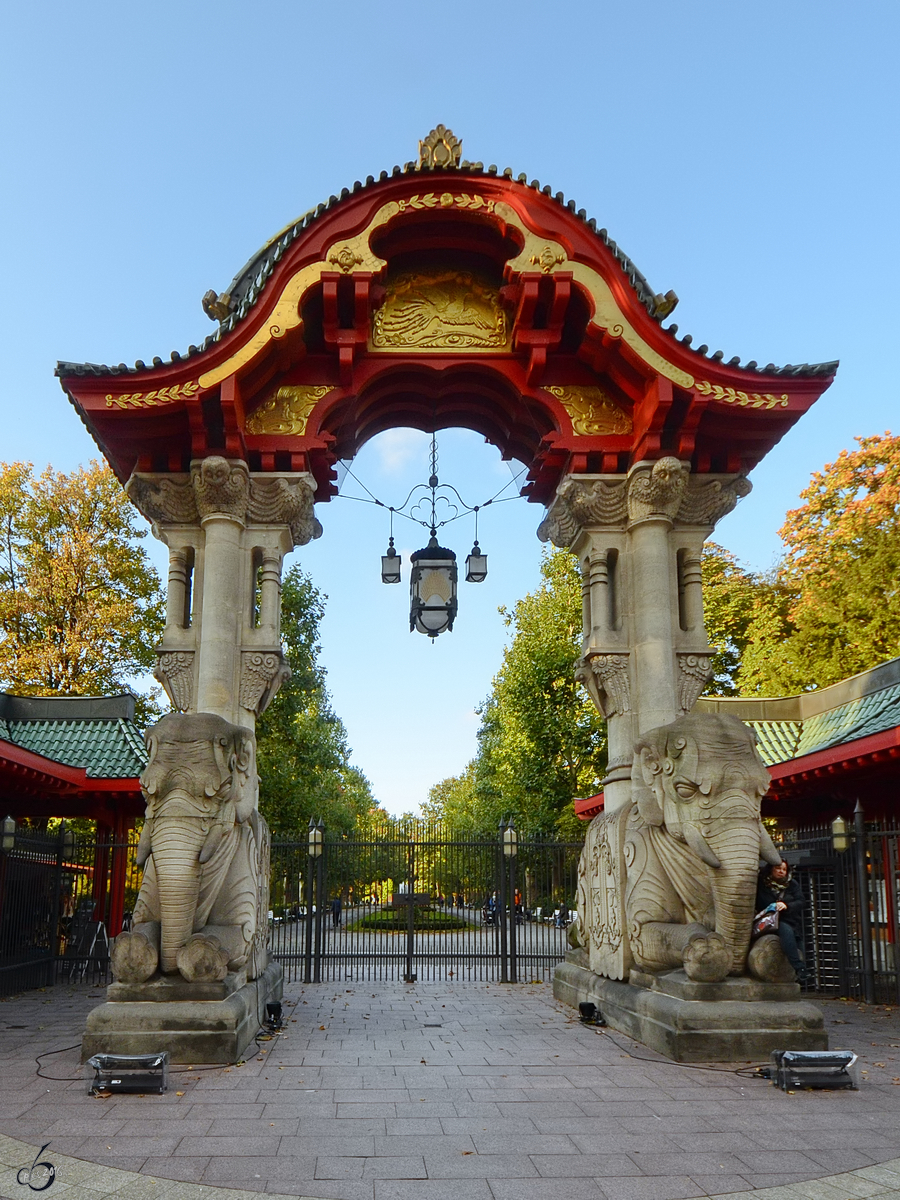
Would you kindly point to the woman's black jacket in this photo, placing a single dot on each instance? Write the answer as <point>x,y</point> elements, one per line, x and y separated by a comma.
<point>792,897</point>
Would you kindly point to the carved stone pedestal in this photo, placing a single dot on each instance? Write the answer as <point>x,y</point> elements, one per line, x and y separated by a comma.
<point>737,1020</point>
<point>209,1022</point>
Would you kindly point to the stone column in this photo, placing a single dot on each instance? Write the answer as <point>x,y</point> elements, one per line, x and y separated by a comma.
<point>222,492</point>
<point>228,530</point>
<point>645,657</point>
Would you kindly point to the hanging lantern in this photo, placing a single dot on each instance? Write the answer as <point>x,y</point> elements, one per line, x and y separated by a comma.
<point>390,565</point>
<point>476,566</point>
<point>432,586</point>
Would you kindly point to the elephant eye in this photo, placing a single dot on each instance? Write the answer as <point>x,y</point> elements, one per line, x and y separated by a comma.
<point>685,789</point>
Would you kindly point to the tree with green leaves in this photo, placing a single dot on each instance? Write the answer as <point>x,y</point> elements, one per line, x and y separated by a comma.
<point>541,741</point>
<point>81,607</point>
<point>302,751</point>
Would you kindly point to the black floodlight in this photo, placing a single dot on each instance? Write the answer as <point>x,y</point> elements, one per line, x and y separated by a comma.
<point>129,1073</point>
<point>590,1014</point>
<point>793,1070</point>
<point>274,1019</point>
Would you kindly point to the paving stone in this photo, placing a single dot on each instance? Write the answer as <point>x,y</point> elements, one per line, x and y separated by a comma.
<point>511,1077</point>
<point>656,1188</point>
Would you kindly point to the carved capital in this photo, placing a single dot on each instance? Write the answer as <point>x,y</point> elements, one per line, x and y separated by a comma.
<point>275,501</point>
<point>221,487</point>
<point>175,671</point>
<point>262,674</point>
<point>167,500</point>
<point>657,491</point>
<point>706,501</point>
<point>580,503</point>
<point>694,673</point>
<point>606,678</point>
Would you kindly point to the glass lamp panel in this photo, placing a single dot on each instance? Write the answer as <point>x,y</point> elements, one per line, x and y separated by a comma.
<point>476,568</point>
<point>390,568</point>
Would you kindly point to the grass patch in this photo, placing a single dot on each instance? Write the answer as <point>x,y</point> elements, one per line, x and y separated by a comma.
<point>426,920</point>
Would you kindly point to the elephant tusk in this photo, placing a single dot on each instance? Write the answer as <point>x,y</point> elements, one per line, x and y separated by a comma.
<point>767,847</point>
<point>699,845</point>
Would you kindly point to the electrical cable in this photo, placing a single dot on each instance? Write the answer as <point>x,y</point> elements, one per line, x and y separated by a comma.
<point>662,1062</point>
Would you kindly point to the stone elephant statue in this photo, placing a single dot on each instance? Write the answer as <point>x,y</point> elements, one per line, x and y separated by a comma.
<point>202,910</point>
<point>670,881</point>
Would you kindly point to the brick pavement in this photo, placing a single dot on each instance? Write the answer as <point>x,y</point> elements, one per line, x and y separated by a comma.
<point>456,1091</point>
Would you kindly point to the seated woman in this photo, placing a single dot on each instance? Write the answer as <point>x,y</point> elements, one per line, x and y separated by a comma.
<point>778,886</point>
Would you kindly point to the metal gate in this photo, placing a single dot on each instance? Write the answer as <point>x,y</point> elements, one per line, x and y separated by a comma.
<point>851,913</point>
<point>412,900</point>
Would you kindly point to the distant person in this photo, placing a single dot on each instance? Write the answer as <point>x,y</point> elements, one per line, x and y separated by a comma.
<point>336,911</point>
<point>778,886</point>
<point>562,916</point>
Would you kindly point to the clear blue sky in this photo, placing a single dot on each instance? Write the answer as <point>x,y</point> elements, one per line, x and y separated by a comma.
<point>744,155</point>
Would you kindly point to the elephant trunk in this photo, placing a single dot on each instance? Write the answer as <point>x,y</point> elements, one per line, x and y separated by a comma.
<point>176,857</point>
<point>734,887</point>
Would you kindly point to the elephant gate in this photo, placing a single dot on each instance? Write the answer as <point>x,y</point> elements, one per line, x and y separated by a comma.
<point>415,901</point>
<point>438,295</point>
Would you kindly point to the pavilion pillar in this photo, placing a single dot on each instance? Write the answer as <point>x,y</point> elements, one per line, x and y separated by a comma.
<point>639,538</point>
<point>228,530</point>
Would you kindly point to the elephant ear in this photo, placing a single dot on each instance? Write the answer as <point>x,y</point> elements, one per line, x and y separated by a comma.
<point>245,783</point>
<point>647,804</point>
<point>648,752</point>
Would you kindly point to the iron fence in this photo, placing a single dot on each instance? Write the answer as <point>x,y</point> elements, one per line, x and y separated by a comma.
<point>62,898</point>
<point>851,911</point>
<point>413,900</point>
<point>419,900</point>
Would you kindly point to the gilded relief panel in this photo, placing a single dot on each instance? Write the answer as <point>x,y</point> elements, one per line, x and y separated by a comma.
<point>441,310</point>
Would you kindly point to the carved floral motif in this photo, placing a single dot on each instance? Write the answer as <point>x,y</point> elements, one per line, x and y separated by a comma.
<point>441,148</point>
<point>262,674</point>
<point>170,501</point>
<point>730,395</point>
<point>175,671</point>
<point>277,500</point>
<point>579,503</point>
<point>163,395</point>
<point>613,690</point>
<point>694,672</point>
<point>705,503</point>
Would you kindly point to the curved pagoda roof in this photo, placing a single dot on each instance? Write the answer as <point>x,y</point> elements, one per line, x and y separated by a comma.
<point>442,293</point>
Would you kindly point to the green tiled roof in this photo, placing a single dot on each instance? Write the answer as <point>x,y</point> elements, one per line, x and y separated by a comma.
<point>106,748</point>
<point>780,741</point>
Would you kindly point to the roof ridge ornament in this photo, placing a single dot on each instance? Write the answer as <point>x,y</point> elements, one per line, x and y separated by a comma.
<point>440,149</point>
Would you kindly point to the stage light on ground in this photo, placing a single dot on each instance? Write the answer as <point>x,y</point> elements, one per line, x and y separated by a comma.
<point>129,1073</point>
<point>793,1070</point>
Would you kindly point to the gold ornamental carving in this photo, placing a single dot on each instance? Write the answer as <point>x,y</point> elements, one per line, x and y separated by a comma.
<point>591,411</point>
<point>440,310</point>
<point>345,259</point>
<point>547,260</point>
<point>446,200</point>
<point>288,411</point>
<point>164,395</point>
<point>730,395</point>
<point>440,149</point>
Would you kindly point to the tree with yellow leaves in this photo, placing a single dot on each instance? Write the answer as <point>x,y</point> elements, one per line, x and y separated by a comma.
<point>80,604</point>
